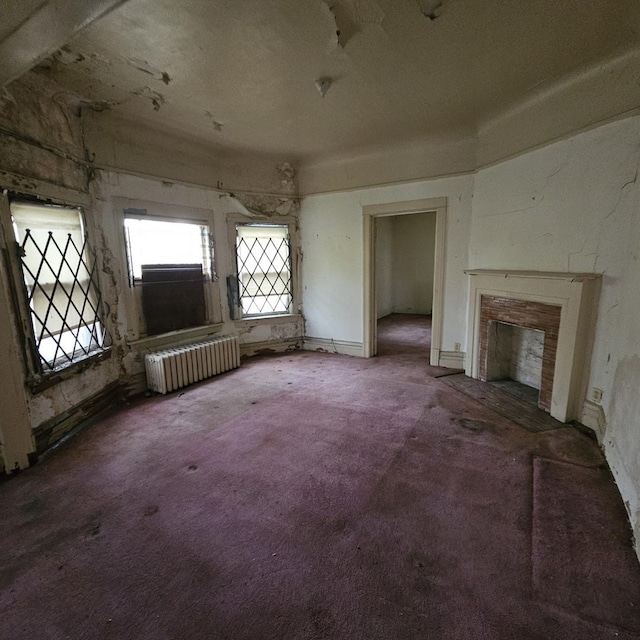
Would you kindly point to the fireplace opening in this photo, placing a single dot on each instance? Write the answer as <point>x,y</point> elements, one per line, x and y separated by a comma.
<point>514,359</point>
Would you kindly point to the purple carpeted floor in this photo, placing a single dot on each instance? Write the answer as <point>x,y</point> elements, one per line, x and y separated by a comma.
<point>310,496</point>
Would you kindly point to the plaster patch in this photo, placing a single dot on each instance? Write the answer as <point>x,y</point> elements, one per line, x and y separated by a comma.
<point>266,205</point>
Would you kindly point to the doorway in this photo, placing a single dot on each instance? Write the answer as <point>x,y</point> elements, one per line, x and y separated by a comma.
<point>392,279</point>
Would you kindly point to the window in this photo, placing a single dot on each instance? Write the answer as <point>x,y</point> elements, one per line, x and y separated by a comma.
<point>152,241</point>
<point>61,281</point>
<point>169,260</point>
<point>263,255</point>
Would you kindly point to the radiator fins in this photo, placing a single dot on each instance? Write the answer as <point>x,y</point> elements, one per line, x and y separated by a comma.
<point>172,369</point>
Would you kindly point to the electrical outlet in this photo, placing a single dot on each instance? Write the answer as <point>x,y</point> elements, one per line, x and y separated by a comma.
<point>456,346</point>
<point>596,394</point>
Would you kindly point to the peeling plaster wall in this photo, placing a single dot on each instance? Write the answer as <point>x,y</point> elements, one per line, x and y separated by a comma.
<point>332,245</point>
<point>574,206</point>
<point>43,155</point>
<point>215,208</point>
<point>116,144</point>
<point>41,136</point>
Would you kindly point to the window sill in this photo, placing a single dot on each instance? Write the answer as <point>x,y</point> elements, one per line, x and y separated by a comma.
<point>36,385</point>
<point>174,338</point>
<point>280,318</point>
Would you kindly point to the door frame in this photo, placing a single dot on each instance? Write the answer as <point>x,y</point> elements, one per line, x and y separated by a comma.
<point>369,214</point>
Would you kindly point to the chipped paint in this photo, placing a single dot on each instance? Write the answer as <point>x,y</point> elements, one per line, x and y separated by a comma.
<point>156,98</point>
<point>216,125</point>
<point>288,174</point>
<point>430,8</point>
<point>266,205</point>
<point>144,66</point>
<point>350,18</point>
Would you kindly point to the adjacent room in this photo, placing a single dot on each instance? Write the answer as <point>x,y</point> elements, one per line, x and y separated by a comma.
<point>320,319</point>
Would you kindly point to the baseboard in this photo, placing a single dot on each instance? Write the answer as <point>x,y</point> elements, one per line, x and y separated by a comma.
<point>52,431</point>
<point>135,384</point>
<point>451,359</point>
<point>270,346</point>
<point>330,345</point>
<point>592,416</point>
<point>627,488</point>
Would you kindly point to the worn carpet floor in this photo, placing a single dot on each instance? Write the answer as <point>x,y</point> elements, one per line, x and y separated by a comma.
<point>316,496</point>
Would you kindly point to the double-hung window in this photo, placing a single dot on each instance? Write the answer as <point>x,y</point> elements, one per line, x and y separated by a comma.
<point>170,261</point>
<point>154,241</point>
<point>60,276</point>
<point>263,253</point>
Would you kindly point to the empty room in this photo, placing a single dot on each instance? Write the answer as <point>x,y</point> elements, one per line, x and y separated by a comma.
<point>319,319</point>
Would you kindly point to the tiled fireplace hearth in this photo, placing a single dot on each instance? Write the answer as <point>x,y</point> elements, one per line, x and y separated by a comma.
<point>562,305</point>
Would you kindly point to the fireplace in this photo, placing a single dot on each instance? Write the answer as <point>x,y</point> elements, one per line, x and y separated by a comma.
<point>514,355</point>
<point>559,307</point>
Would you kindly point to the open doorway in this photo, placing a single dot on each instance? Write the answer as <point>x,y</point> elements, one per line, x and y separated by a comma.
<point>404,267</point>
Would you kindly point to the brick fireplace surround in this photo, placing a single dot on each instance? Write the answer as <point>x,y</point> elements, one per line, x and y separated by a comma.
<point>529,315</point>
<point>563,305</point>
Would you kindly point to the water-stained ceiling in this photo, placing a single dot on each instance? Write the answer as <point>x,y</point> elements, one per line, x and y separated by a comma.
<point>245,74</point>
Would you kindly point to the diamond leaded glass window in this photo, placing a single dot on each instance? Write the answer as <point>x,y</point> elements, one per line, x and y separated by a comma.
<point>264,268</point>
<point>60,275</point>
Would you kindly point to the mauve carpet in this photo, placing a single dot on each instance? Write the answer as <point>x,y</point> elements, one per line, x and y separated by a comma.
<point>310,496</point>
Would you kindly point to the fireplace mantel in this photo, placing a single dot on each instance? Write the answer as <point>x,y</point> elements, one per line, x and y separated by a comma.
<point>577,296</point>
<point>540,275</point>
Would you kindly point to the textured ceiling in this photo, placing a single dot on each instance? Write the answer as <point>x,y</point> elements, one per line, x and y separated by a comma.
<point>240,74</point>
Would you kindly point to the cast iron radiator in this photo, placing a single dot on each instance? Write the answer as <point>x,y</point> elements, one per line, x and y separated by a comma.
<point>174,368</point>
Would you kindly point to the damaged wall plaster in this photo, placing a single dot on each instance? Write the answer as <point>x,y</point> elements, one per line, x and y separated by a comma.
<point>44,155</point>
<point>117,144</point>
<point>119,191</point>
<point>573,206</point>
<point>350,18</point>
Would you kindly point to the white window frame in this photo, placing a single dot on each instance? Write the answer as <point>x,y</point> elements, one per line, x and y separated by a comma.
<point>291,222</point>
<point>134,323</point>
<point>35,370</point>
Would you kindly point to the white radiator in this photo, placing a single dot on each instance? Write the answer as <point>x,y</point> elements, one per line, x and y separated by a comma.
<point>174,368</point>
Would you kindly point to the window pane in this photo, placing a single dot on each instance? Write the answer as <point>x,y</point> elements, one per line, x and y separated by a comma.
<point>264,269</point>
<point>60,275</point>
<point>159,242</point>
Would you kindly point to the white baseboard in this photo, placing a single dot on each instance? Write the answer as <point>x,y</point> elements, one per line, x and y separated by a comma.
<point>330,345</point>
<point>451,359</point>
<point>592,416</point>
<point>270,346</point>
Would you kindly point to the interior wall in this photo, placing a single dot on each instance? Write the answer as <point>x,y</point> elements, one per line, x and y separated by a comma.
<point>384,266</point>
<point>43,155</point>
<point>215,208</point>
<point>414,242</point>
<point>573,206</point>
<point>332,245</point>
